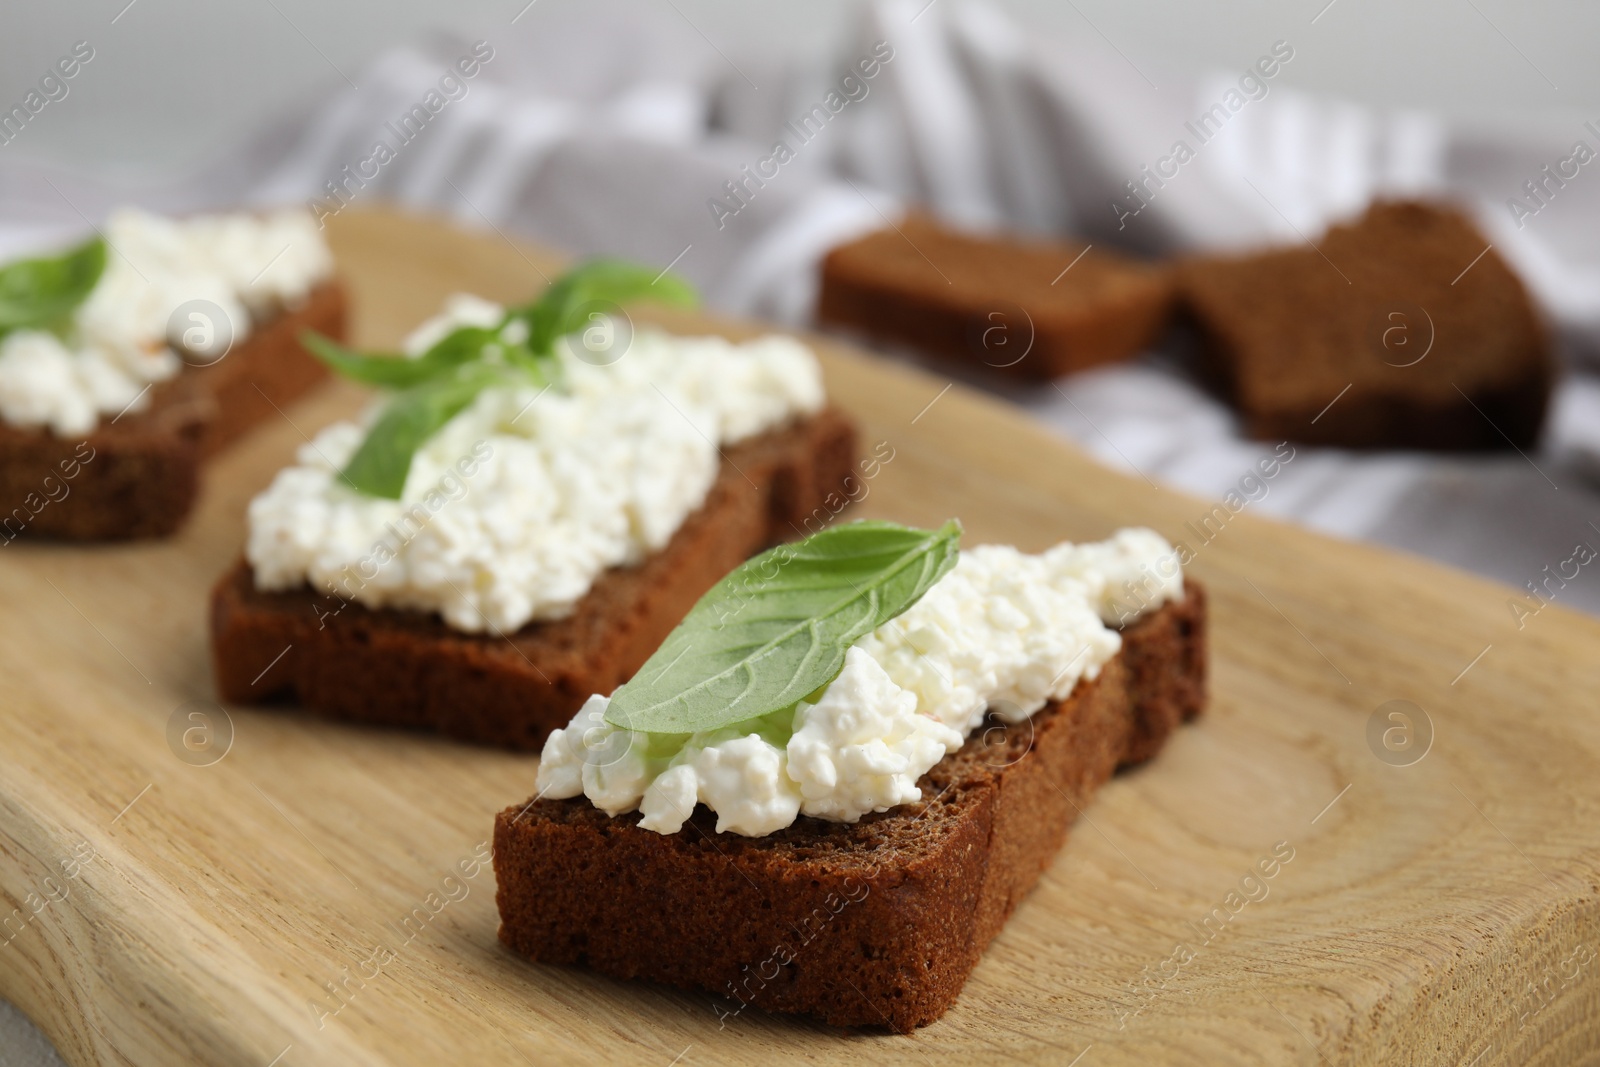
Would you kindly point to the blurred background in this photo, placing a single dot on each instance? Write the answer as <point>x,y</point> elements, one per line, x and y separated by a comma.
<point>180,81</point>
<point>609,127</point>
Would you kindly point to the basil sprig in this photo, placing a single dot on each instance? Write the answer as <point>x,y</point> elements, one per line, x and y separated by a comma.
<point>776,629</point>
<point>521,349</point>
<point>572,300</point>
<point>41,293</point>
<point>382,462</point>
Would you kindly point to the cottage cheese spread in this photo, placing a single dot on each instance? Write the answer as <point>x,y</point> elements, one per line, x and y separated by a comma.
<point>1003,632</point>
<point>117,342</point>
<point>513,509</point>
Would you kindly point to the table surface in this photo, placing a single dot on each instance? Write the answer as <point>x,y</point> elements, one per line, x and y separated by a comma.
<point>1437,902</point>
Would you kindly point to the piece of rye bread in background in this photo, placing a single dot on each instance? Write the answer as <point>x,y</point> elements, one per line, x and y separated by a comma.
<point>1440,349</point>
<point>389,667</point>
<point>136,475</point>
<point>876,923</point>
<point>982,299</point>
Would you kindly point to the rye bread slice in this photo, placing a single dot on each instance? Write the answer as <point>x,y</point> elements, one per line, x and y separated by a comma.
<point>1002,302</point>
<point>386,667</point>
<point>1402,329</point>
<point>136,475</point>
<point>872,924</point>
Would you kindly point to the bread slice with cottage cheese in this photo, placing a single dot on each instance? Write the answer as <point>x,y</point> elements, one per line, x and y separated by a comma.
<point>137,477</point>
<point>105,428</point>
<point>876,923</point>
<point>409,668</point>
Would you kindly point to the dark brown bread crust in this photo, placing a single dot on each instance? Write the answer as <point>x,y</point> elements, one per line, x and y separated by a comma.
<point>137,477</point>
<point>1165,655</point>
<point>1286,333</point>
<point>872,924</point>
<point>979,299</point>
<point>409,669</point>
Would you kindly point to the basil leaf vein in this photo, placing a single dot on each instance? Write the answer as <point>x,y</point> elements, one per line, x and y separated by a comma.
<point>777,628</point>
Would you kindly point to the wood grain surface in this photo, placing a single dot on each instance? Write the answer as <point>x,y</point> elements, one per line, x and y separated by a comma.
<point>305,899</point>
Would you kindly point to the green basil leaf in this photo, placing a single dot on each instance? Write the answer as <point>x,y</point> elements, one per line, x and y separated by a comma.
<point>382,462</point>
<point>545,369</point>
<point>40,292</point>
<point>461,345</point>
<point>389,369</point>
<point>567,305</point>
<point>776,629</point>
<point>397,371</point>
<point>438,384</point>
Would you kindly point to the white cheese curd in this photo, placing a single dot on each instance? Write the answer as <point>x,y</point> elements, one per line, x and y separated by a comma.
<point>268,261</point>
<point>862,746</point>
<point>1002,633</point>
<point>670,799</point>
<point>738,774</point>
<point>1140,572</point>
<point>514,508</point>
<point>116,343</point>
<point>40,384</point>
<point>743,778</point>
<point>460,309</point>
<point>1003,628</point>
<point>565,750</point>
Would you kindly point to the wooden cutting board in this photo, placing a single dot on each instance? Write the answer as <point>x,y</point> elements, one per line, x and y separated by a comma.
<point>1440,909</point>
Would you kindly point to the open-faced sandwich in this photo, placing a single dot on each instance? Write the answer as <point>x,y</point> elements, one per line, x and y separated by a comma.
<point>129,359</point>
<point>521,522</point>
<point>834,781</point>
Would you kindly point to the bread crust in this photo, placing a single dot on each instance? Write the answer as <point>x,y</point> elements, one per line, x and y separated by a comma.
<point>390,667</point>
<point>1402,329</point>
<point>876,923</point>
<point>1002,302</point>
<point>137,476</point>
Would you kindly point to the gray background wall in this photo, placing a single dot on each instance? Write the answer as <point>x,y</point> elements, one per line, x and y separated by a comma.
<point>176,82</point>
